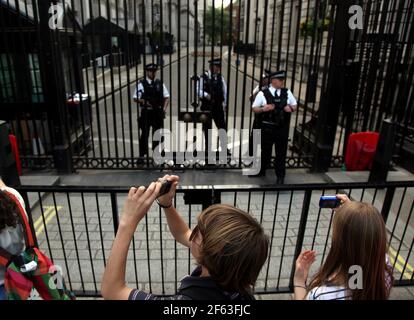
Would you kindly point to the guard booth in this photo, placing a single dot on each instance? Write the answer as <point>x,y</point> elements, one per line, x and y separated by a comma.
<point>23,75</point>
<point>111,44</point>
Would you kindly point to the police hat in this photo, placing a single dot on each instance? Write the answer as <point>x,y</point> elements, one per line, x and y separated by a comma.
<point>215,62</point>
<point>278,75</point>
<point>151,67</point>
<point>266,73</point>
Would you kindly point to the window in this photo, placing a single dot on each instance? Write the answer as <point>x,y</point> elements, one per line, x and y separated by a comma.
<point>131,9</point>
<point>295,18</point>
<point>7,78</point>
<point>141,15</point>
<point>156,15</point>
<point>36,81</point>
<point>114,42</point>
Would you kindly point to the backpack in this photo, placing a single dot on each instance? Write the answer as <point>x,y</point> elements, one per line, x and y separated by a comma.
<point>209,290</point>
<point>31,269</point>
<point>197,293</point>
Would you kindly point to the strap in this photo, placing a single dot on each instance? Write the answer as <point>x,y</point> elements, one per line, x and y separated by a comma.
<point>28,236</point>
<point>5,257</point>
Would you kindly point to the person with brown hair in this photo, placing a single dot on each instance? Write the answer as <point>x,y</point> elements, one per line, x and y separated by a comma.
<point>229,245</point>
<point>11,232</point>
<point>359,242</point>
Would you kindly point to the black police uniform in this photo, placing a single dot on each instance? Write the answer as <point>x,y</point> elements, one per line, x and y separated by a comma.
<point>275,131</point>
<point>152,113</point>
<point>214,87</point>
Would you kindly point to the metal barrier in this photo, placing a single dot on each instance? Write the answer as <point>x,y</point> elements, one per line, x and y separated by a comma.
<point>75,226</point>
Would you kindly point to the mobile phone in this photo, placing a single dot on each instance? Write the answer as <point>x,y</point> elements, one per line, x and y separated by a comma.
<point>165,187</point>
<point>329,202</point>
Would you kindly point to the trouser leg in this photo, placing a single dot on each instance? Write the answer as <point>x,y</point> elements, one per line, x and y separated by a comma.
<point>267,145</point>
<point>281,142</point>
<point>143,138</point>
<point>220,122</point>
<point>157,123</point>
<point>251,138</point>
<point>206,129</point>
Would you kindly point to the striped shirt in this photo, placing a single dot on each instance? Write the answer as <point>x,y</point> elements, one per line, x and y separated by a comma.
<point>328,293</point>
<point>331,292</point>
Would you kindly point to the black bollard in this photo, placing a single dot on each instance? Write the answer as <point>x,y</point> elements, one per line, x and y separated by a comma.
<point>383,154</point>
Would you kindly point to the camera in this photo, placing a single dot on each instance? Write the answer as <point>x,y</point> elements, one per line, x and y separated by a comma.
<point>329,202</point>
<point>165,187</point>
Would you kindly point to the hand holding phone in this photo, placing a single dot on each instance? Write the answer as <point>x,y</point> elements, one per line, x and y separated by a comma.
<point>331,202</point>
<point>165,187</point>
<point>168,188</point>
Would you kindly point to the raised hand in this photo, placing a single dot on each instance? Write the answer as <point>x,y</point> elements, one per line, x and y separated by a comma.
<point>138,202</point>
<point>303,265</point>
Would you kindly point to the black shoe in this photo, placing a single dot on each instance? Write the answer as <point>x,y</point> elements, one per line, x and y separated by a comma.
<point>260,174</point>
<point>280,180</point>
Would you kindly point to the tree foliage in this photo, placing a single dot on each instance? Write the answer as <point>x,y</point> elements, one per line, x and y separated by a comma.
<point>217,20</point>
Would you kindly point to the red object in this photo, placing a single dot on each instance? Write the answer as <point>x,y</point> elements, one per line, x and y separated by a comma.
<point>15,150</point>
<point>360,150</point>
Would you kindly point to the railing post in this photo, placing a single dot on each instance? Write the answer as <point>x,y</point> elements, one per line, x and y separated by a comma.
<point>301,233</point>
<point>383,154</point>
<point>115,217</point>
<point>54,89</point>
<point>386,207</point>
<point>333,93</point>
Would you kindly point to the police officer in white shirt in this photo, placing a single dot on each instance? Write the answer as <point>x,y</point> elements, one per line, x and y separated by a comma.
<point>153,97</point>
<point>264,83</point>
<point>212,91</point>
<point>273,107</point>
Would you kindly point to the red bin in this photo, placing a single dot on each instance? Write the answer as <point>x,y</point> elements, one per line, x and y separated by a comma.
<point>15,150</point>
<point>361,150</point>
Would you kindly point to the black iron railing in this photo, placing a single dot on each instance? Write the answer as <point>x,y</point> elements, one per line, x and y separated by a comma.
<point>75,226</point>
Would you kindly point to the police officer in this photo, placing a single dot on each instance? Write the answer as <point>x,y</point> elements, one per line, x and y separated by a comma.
<point>264,83</point>
<point>274,106</point>
<point>212,90</point>
<point>153,97</point>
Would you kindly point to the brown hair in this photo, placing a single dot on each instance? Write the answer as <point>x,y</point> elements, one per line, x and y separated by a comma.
<point>9,214</point>
<point>234,247</point>
<point>358,238</point>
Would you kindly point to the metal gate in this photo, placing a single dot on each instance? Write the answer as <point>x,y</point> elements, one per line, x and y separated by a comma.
<point>69,70</point>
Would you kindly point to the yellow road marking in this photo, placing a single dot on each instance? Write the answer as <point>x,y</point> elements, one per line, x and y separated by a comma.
<point>46,212</point>
<point>401,259</point>
<point>400,267</point>
<point>49,217</point>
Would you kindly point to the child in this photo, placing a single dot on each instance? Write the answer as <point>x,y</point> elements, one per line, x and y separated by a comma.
<point>358,239</point>
<point>229,245</point>
<point>11,232</point>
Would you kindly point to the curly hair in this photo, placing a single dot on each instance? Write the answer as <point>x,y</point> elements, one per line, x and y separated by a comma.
<point>8,212</point>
